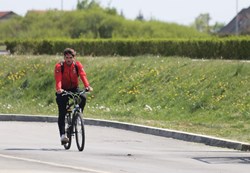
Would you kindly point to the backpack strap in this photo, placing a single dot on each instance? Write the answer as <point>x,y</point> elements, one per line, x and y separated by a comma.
<point>76,67</point>
<point>62,67</point>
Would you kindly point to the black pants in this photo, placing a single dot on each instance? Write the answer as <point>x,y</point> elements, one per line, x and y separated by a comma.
<point>61,103</point>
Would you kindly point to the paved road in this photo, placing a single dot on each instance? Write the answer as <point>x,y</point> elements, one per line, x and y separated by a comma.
<point>4,52</point>
<point>35,147</point>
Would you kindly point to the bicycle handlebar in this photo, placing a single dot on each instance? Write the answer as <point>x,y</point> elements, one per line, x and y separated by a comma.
<point>75,95</point>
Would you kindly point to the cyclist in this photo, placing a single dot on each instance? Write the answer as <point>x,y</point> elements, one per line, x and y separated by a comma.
<point>67,73</point>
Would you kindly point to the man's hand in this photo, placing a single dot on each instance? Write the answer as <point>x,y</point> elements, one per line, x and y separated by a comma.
<point>59,91</point>
<point>89,89</point>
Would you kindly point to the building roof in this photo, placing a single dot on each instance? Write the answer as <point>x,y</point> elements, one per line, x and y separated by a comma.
<point>4,13</point>
<point>240,24</point>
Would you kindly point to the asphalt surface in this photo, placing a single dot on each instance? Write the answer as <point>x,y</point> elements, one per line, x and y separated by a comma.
<point>191,137</point>
<point>34,147</point>
<point>4,52</point>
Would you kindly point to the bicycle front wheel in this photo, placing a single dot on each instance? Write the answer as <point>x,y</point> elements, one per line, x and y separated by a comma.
<point>79,132</point>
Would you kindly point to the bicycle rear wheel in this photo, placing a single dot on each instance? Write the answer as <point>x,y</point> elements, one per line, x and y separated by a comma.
<point>80,132</point>
<point>68,127</point>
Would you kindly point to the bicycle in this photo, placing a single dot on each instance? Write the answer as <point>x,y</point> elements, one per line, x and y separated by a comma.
<point>74,123</point>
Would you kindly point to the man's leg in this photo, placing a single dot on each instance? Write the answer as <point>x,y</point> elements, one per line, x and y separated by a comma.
<point>61,102</point>
<point>83,102</point>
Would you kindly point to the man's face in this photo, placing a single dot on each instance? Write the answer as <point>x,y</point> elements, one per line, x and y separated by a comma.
<point>68,59</point>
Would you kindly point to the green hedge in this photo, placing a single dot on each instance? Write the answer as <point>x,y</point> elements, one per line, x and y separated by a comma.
<point>223,48</point>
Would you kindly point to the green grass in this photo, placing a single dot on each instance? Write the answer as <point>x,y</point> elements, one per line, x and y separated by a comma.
<point>205,97</point>
<point>2,47</point>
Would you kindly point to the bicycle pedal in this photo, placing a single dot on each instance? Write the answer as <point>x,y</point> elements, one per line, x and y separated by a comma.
<point>63,142</point>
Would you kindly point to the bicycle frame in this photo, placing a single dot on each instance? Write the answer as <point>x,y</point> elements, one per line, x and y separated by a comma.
<point>74,120</point>
<point>74,100</point>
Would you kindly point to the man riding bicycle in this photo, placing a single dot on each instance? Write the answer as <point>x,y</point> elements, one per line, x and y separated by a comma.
<point>66,76</point>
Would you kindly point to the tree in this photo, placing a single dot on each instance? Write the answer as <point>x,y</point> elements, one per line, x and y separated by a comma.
<point>140,16</point>
<point>111,11</point>
<point>202,23</point>
<point>217,27</point>
<point>86,4</point>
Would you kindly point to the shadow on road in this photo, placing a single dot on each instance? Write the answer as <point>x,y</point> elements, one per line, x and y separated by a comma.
<point>34,149</point>
<point>224,160</point>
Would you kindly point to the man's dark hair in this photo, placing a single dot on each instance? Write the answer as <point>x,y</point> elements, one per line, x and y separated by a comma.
<point>69,51</point>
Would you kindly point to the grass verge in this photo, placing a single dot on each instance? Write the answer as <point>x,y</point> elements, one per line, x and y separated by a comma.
<point>205,97</point>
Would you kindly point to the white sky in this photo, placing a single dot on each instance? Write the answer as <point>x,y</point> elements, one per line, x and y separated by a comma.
<point>177,11</point>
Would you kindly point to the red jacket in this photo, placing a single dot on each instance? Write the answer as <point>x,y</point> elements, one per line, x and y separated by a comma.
<point>69,78</point>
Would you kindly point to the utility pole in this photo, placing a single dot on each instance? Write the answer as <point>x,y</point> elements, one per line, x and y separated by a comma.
<point>62,5</point>
<point>237,20</point>
<point>77,3</point>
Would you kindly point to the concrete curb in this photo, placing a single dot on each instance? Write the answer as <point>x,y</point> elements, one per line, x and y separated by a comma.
<point>191,137</point>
